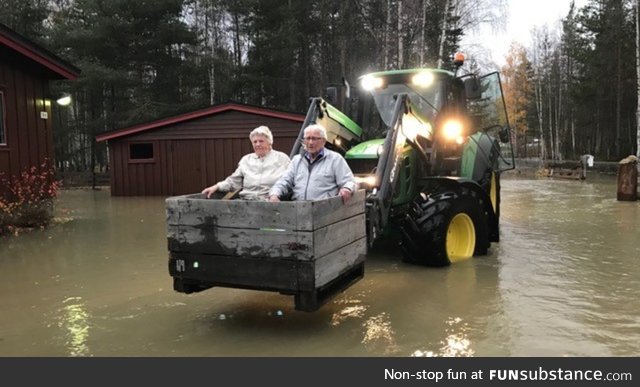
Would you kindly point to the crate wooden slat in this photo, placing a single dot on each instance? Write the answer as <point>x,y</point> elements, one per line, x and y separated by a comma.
<point>195,210</point>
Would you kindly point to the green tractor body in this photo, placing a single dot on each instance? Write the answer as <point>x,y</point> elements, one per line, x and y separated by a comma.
<point>363,157</point>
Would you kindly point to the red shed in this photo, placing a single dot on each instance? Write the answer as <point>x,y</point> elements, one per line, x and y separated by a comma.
<point>185,153</point>
<point>26,137</point>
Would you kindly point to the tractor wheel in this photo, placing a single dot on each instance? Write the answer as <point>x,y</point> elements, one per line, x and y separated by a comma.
<point>491,184</point>
<point>444,228</point>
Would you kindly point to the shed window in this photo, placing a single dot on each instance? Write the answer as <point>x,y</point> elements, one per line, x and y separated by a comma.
<point>141,151</point>
<point>3,126</point>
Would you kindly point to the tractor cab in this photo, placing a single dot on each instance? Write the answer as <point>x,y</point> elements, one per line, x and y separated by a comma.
<point>426,90</point>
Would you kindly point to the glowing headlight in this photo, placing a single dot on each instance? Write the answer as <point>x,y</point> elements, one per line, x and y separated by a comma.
<point>368,180</point>
<point>422,79</point>
<point>370,82</point>
<point>412,127</point>
<point>452,130</point>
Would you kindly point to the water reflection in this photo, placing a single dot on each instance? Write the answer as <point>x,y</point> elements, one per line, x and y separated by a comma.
<point>456,343</point>
<point>379,336</point>
<point>74,320</point>
<point>347,312</point>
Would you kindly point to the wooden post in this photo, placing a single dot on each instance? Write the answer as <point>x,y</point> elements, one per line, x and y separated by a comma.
<point>628,179</point>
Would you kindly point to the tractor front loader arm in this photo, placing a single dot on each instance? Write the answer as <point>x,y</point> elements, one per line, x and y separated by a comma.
<point>379,200</point>
<point>342,132</point>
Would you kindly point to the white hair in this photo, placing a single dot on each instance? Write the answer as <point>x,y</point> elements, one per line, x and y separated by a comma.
<point>319,128</point>
<point>262,131</point>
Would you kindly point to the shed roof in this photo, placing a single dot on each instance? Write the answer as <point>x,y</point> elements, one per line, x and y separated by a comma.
<point>216,109</point>
<point>56,67</point>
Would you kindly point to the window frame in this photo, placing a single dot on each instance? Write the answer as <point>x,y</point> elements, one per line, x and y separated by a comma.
<point>154,148</point>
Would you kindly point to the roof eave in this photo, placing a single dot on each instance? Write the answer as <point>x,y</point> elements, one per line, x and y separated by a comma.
<point>194,115</point>
<point>37,54</point>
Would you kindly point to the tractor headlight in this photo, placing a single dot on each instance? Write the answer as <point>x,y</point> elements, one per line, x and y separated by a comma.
<point>412,127</point>
<point>370,82</point>
<point>452,131</point>
<point>422,79</point>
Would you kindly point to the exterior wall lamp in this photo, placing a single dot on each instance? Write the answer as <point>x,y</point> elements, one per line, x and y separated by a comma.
<point>65,100</point>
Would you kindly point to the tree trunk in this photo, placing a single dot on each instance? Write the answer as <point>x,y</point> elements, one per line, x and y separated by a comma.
<point>399,33</point>
<point>573,136</point>
<point>539,108</point>
<point>559,118</point>
<point>550,118</point>
<point>424,26</point>
<point>638,79</point>
<point>238,55</point>
<point>211,42</point>
<point>343,43</point>
<point>387,36</point>
<point>443,34</point>
<point>618,98</point>
<point>570,108</point>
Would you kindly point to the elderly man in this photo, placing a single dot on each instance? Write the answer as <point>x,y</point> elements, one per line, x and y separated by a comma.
<point>319,173</point>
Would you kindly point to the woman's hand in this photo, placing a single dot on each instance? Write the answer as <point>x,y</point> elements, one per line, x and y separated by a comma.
<point>210,190</point>
<point>274,198</point>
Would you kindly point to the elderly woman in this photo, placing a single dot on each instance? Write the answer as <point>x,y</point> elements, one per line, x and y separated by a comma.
<point>257,171</point>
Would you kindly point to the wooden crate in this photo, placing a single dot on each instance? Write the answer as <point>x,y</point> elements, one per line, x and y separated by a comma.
<point>309,249</point>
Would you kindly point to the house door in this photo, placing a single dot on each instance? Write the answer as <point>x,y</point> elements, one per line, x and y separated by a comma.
<point>187,165</point>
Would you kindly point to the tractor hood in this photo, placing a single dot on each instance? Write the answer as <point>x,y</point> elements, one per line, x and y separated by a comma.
<point>366,150</point>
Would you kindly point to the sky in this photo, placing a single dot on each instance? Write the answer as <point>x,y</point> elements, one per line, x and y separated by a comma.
<point>522,17</point>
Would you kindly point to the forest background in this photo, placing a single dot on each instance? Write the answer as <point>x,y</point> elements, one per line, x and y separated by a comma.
<point>574,91</point>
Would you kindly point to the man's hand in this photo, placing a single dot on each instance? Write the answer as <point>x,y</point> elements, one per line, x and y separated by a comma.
<point>345,194</point>
<point>209,191</point>
<point>274,198</point>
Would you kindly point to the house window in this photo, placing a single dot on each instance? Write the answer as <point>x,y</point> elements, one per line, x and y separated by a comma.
<point>141,152</point>
<point>3,125</point>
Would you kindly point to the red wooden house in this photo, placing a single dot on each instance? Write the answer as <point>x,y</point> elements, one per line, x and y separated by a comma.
<point>26,137</point>
<point>185,153</point>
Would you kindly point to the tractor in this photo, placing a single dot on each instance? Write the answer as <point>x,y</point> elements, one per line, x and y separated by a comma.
<point>433,180</point>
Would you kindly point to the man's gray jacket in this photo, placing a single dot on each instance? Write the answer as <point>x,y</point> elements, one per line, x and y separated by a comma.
<point>318,180</point>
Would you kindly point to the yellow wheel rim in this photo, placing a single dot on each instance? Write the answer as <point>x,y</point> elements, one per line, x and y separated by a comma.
<point>493,192</point>
<point>461,238</point>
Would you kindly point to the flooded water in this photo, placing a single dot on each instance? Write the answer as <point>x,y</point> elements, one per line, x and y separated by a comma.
<point>563,281</point>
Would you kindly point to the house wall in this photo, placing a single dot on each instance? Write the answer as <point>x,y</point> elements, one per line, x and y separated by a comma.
<point>191,155</point>
<point>29,138</point>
